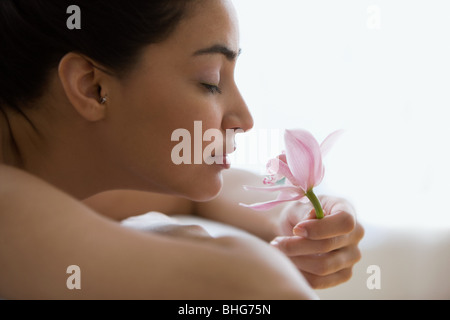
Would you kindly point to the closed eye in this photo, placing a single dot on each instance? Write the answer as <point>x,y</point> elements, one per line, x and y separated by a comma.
<point>212,88</point>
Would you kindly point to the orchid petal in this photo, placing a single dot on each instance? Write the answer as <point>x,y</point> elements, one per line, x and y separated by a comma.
<point>282,181</point>
<point>270,204</point>
<point>329,142</point>
<point>319,181</point>
<point>304,157</point>
<point>292,189</point>
<point>273,164</point>
<point>282,157</point>
<point>262,206</point>
<point>296,171</point>
<point>281,168</point>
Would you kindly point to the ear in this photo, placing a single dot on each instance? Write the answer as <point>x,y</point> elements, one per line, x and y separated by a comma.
<point>81,83</point>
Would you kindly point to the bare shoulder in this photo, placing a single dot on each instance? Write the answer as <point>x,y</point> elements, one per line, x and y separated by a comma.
<point>44,232</point>
<point>17,185</point>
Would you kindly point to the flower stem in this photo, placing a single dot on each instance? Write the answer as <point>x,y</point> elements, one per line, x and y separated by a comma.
<point>316,203</point>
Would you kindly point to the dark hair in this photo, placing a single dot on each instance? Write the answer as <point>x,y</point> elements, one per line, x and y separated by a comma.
<point>34,36</point>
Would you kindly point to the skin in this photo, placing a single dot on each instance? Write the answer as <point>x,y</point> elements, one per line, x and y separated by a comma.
<point>70,147</point>
<point>324,252</point>
<point>163,92</point>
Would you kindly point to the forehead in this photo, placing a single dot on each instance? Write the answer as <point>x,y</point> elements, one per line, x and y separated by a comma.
<point>209,23</point>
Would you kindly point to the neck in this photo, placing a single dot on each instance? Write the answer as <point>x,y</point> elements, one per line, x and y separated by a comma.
<point>62,154</point>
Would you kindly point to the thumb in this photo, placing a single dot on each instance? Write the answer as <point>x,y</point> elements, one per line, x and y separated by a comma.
<point>299,212</point>
<point>302,212</point>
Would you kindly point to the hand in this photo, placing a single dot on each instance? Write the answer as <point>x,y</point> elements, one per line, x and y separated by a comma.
<point>326,250</point>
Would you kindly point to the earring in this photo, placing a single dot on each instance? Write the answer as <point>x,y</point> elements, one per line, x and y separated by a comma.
<point>104,99</point>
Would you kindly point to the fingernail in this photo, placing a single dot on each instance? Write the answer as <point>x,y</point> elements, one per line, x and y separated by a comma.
<point>300,232</point>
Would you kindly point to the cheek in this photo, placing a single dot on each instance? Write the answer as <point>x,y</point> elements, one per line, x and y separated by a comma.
<point>180,107</point>
<point>152,116</point>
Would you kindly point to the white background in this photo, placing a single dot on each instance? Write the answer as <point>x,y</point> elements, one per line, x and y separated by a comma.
<point>378,69</point>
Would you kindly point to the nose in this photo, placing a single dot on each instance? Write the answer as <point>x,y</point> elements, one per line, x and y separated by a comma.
<point>237,116</point>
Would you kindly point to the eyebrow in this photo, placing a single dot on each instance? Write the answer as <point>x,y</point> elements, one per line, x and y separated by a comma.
<point>219,49</point>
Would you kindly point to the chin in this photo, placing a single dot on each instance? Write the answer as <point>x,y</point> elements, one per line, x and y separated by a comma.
<point>204,188</point>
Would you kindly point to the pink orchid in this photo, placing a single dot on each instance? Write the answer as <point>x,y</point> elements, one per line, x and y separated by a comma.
<point>297,171</point>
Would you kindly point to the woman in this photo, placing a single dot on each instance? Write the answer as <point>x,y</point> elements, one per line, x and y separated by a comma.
<point>88,110</point>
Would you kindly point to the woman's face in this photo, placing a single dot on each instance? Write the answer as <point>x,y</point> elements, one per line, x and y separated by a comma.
<point>187,79</point>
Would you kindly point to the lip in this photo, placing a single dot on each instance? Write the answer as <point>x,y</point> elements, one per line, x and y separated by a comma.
<point>223,160</point>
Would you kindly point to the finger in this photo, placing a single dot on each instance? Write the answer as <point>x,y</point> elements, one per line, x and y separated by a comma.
<point>329,263</point>
<point>298,246</point>
<point>299,211</point>
<point>333,204</point>
<point>332,280</point>
<point>295,246</point>
<point>332,225</point>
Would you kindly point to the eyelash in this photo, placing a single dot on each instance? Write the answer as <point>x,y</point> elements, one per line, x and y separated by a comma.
<point>212,88</point>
